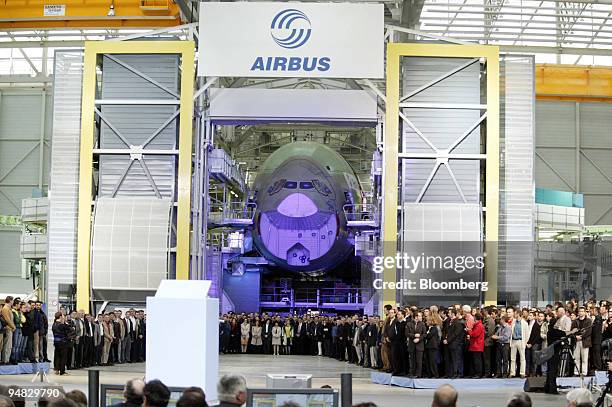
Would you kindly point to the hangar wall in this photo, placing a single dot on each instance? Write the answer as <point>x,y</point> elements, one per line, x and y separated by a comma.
<point>573,147</point>
<point>24,120</point>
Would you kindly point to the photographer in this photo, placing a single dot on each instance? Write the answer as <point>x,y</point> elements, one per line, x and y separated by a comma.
<point>560,328</point>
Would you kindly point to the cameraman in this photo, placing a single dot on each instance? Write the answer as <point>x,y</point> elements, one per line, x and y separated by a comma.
<point>558,329</point>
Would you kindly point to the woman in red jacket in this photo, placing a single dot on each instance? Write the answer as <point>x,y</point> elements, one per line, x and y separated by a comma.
<point>477,336</point>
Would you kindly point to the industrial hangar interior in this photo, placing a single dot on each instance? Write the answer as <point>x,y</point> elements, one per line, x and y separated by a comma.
<point>297,161</point>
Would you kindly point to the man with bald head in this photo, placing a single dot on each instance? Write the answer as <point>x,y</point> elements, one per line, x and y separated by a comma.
<point>132,394</point>
<point>445,396</point>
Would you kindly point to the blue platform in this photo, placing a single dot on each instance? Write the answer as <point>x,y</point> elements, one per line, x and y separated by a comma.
<point>24,368</point>
<point>600,378</point>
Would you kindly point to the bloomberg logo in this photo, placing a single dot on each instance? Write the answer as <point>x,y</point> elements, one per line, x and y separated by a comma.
<point>291,29</point>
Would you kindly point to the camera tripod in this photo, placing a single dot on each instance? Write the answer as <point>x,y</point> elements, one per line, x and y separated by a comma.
<point>565,357</point>
<point>607,390</point>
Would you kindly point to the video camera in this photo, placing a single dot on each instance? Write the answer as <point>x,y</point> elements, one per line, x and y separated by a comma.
<point>606,351</point>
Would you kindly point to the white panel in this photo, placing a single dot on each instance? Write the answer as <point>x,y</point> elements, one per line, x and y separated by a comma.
<point>239,104</point>
<point>427,222</point>
<point>339,40</point>
<point>442,127</point>
<point>192,363</point>
<point>64,189</point>
<point>130,239</point>
<point>517,184</point>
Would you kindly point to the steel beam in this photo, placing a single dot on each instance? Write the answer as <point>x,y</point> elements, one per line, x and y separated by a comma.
<point>391,152</point>
<point>92,49</point>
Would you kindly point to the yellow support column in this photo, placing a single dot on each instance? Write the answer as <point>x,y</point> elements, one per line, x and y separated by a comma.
<point>394,53</point>
<point>85,178</point>
<point>492,176</point>
<point>183,234</point>
<point>183,221</point>
<point>390,160</point>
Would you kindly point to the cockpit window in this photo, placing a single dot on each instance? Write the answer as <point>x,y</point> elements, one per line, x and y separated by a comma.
<point>277,186</point>
<point>291,184</point>
<point>306,185</point>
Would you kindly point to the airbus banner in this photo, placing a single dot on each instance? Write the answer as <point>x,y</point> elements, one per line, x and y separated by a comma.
<point>325,40</point>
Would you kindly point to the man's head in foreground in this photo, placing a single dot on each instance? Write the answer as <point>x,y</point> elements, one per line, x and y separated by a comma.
<point>232,389</point>
<point>445,396</point>
<point>155,394</point>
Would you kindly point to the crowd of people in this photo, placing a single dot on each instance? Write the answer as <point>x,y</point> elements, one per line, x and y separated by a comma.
<point>80,340</point>
<point>23,332</point>
<point>458,341</point>
<point>232,392</point>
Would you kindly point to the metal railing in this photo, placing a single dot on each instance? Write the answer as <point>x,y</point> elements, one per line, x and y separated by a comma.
<point>225,213</point>
<point>226,169</point>
<point>361,214</point>
<point>315,297</point>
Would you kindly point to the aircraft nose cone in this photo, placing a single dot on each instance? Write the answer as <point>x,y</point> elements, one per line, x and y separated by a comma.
<point>297,205</point>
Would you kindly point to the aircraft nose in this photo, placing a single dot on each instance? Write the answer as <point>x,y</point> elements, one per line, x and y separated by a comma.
<point>297,205</point>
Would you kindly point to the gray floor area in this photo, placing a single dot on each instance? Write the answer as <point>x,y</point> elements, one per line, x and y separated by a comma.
<point>323,370</point>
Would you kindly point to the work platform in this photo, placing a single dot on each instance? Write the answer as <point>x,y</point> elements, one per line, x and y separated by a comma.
<point>600,379</point>
<point>24,368</point>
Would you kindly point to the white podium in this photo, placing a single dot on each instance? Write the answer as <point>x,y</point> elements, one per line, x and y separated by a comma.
<point>183,336</point>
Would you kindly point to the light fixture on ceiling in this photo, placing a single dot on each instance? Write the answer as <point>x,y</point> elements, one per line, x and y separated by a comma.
<point>111,9</point>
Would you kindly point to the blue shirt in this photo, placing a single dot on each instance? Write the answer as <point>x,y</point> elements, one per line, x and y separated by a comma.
<point>517,335</point>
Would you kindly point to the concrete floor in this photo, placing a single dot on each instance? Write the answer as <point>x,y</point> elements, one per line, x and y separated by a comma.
<point>323,370</point>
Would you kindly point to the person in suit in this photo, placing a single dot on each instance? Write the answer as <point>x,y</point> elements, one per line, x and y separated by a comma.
<point>276,333</point>
<point>44,328</point>
<point>454,339</point>
<point>61,342</point>
<point>267,336</point>
<point>256,337</point>
<point>127,339</point>
<point>288,330</point>
<point>489,314</point>
<point>583,326</point>
<point>27,329</point>
<point>245,333</point>
<point>535,343</point>
<point>108,333</point>
<point>415,335</point>
<point>132,329</point>
<point>432,346</point>
<point>519,329</point>
<point>98,342</point>
<point>372,342</point>
<point>326,336</point>
<point>300,333</point>
<point>558,328</point>
<point>88,341</point>
<point>397,336</point>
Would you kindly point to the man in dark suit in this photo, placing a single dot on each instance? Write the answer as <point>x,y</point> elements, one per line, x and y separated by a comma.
<point>535,344</point>
<point>300,335</point>
<point>415,335</point>
<point>397,335</point>
<point>266,336</point>
<point>454,340</point>
<point>88,340</point>
<point>372,342</point>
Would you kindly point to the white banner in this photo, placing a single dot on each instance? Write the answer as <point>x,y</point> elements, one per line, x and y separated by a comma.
<point>325,40</point>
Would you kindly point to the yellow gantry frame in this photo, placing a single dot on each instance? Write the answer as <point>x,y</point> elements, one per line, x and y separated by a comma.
<point>92,49</point>
<point>395,51</point>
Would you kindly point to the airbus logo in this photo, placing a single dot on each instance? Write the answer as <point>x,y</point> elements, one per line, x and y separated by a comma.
<point>291,28</point>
